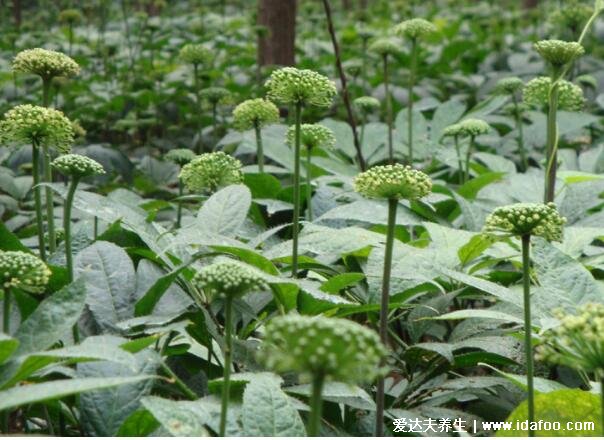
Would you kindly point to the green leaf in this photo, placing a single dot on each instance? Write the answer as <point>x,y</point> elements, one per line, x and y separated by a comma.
<point>54,317</point>
<point>9,241</point>
<point>350,395</point>
<point>474,248</point>
<point>139,424</point>
<point>225,211</point>
<point>501,292</point>
<point>146,303</point>
<point>180,419</point>
<point>370,211</point>
<point>7,346</point>
<point>26,394</point>
<point>341,281</point>
<point>267,412</point>
<point>110,283</point>
<point>479,313</point>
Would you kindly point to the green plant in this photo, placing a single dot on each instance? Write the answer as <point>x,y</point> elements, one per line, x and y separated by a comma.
<point>42,128</point>
<point>230,280</point>
<point>365,105</point>
<point>525,220</point>
<point>211,171</point>
<point>214,96</point>
<point>181,157</point>
<point>322,349</point>
<point>511,86</point>
<point>467,128</point>
<point>416,30</point>
<point>311,136</point>
<point>71,17</point>
<point>299,88</point>
<point>390,182</point>
<point>255,114</point>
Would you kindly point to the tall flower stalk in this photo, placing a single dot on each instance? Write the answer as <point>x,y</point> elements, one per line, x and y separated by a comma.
<point>255,114</point>
<point>214,96</point>
<point>299,88</point>
<point>230,280</point>
<point>311,136</point>
<point>470,128</point>
<point>392,183</point>
<point>525,220</point>
<point>365,105</point>
<point>181,157</point>
<point>415,30</point>
<point>511,87</point>
<point>322,349</point>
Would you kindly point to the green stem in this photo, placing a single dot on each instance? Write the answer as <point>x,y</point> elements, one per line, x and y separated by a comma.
<point>316,406</point>
<point>38,199</point>
<point>198,145</point>
<point>459,161</point>
<point>296,219</point>
<point>259,147</point>
<point>468,157</point>
<point>95,227</point>
<point>179,204</point>
<point>552,141</point>
<point>228,324</point>
<point>519,127</point>
<point>46,84</point>
<point>412,71</point>
<point>214,124</point>
<point>178,382</point>
<point>380,397</point>
<point>6,312</point>
<point>68,250</point>
<point>308,185</point>
<point>602,400</point>
<point>364,121</point>
<point>528,341</point>
<point>70,38</point>
<point>50,214</point>
<point>388,110</point>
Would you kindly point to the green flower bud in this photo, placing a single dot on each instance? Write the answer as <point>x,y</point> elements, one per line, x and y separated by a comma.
<point>578,342</point>
<point>214,95</point>
<point>474,127</point>
<point>570,96</point>
<point>306,87</point>
<point>337,349</point>
<point>195,54</point>
<point>452,130</point>
<point>367,104</point>
<point>180,156</point>
<point>415,28</point>
<point>25,124</point>
<point>229,278</point>
<point>353,67</point>
<point>23,271</point>
<point>393,182</point>
<point>70,16</point>
<point>255,113</point>
<point>45,63</point>
<point>508,86</point>
<point>526,219</point>
<point>559,53</point>
<point>386,46</point>
<point>211,171</point>
<point>76,165</point>
<point>312,136</point>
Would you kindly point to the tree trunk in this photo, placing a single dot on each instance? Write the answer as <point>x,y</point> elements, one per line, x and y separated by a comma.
<point>277,46</point>
<point>529,4</point>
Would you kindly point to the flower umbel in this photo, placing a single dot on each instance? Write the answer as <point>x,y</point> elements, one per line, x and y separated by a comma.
<point>300,86</point>
<point>229,278</point>
<point>393,182</point>
<point>312,136</point>
<point>415,28</point>
<point>211,171</point>
<point>337,349</point>
<point>559,53</point>
<point>77,166</point>
<point>386,46</point>
<point>570,96</point>
<point>195,54</point>
<point>542,220</point>
<point>180,156</point>
<point>367,104</point>
<point>508,86</point>
<point>45,63</point>
<point>27,123</point>
<point>214,95</point>
<point>255,113</point>
<point>22,271</point>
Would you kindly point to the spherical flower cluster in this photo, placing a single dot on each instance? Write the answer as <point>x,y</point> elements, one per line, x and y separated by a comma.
<point>572,16</point>
<point>195,54</point>
<point>79,132</point>
<point>578,342</point>
<point>45,63</point>
<point>70,16</point>
<point>468,127</point>
<point>559,53</point>
<point>214,95</point>
<point>255,113</point>
<point>180,156</point>
<point>570,96</point>
<point>542,220</point>
<point>508,86</point>
<point>77,166</point>
<point>300,86</point>
<point>393,182</point>
<point>229,278</point>
<point>211,171</point>
<point>312,136</point>
<point>385,46</point>
<point>415,28</point>
<point>367,104</point>
<point>33,124</point>
<point>337,349</point>
<point>23,271</point>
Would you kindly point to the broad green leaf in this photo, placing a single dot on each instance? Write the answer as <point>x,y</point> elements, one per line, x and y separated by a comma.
<point>480,313</point>
<point>350,395</point>
<point>570,177</point>
<point>341,281</point>
<point>9,241</point>
<point>474,248</point>
<point>541,385</point>
<point>110,283</point>
<point>225,211</point>
<point>7,346</point>
<point>501,292</point>
<point>180,419</point>
<point>39,392</point>
<point>446,114</point>
<point>268,412</point>
<point>152,284</point>
<point>139,424</point>
<point>370,211</point>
